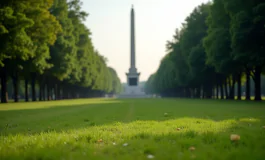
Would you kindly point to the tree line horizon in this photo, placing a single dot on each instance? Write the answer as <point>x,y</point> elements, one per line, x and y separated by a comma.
<point>220,47</point>
<point>45,47</point>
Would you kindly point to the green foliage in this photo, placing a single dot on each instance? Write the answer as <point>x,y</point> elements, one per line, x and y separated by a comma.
<point>247,23</point>
<point>15,43</point>
<point>217,44</point>
<point>116,82</point>
<point>218,55</point>
<point>63,52</point>
<point>49,42</point>
<point>43,33</point>
<point>185,66</point>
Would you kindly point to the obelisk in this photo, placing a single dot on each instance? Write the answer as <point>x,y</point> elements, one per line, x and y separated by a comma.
<point>132,89</point>
<point>132,40</point>
<point>132,76</point>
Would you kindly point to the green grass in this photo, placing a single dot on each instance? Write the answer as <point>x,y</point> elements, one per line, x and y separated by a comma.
<point>74,129</point>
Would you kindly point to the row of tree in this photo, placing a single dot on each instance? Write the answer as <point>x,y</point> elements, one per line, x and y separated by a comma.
<point>45,44</point>
<point>221,45</point>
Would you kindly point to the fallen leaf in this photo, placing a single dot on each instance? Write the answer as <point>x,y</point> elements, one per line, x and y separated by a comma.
<point>192,148</point>
<point>234,137</point>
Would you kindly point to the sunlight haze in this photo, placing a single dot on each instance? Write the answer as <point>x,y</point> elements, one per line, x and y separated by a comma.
<point>155,23</point>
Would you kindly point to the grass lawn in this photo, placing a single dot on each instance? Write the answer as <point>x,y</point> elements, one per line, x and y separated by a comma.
<point>121,129</point>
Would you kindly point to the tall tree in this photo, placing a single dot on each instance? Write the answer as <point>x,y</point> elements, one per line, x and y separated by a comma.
<point>16,46</point>
<point>218,46</point>
<point>43,33</point>
<point>247,23</point>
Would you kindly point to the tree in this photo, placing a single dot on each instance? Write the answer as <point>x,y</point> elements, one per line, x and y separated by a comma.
<point>247,23</point>
<point>217,44</point>
<point>116,83</point>
<point>16,45</point>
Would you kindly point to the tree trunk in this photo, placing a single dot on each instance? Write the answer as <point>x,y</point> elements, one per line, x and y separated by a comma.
<point>217,91</point>
<point>207,89</point>
<point>212,93</point>
<point>239,86</point>
<point>4,94</point>
<point>48,91</point>
<point>257,80</point>
<point>247,85</point>
<point>65,93</point>
<point>44,92</point>
<point>26,90</point>
<point>226,91</point>
<point>229,87</point>
<point>194,93</point>
<point>40,91</point>
<point>58,92</point>
<point>15,86</point>
<point>222,91</point>
<point>181,92</point>
<point>55,92</point>
<point>69,95</point>
<point>198,92</point>
<point>201,92</point>
<point>73,94</point>
<point>188,93</point>
<point>33,93</point>
<point>209,92</point>
<point>184,92</point>
<point>232,88</point>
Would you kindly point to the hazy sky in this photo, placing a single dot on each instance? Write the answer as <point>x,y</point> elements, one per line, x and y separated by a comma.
<point>155,23</point>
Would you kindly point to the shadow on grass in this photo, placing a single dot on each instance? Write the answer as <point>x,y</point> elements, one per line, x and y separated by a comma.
<point>61,116</point>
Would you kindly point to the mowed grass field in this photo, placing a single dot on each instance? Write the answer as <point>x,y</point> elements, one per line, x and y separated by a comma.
<point>130,129</point>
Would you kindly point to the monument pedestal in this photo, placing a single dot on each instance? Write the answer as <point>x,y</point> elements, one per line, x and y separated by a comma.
<point>133,92</point>
<point>133,89</point>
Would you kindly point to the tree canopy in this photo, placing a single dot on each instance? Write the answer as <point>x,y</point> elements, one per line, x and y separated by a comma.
<point>46,44</point>
<point>219,47</point>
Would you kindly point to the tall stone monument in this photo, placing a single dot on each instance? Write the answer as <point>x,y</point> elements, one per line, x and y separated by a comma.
<point>133,88</point>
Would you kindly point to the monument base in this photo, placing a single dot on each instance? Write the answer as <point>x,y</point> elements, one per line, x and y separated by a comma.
<point>133,92</point>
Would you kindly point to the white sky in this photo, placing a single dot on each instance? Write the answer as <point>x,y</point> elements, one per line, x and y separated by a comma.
<point>155,23</point>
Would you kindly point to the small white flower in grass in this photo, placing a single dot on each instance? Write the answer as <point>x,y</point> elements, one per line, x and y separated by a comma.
<point>125,144</point>
<point>114,143</point>
<point>150,156</point>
